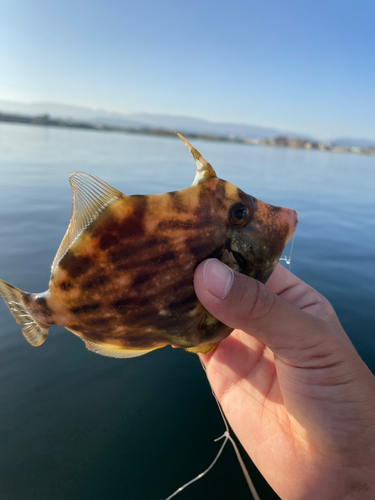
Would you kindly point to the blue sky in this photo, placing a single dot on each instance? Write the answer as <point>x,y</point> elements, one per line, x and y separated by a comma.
<point>306,66</point>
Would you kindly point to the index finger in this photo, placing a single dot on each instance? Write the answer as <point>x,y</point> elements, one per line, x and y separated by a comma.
<point>298,293</point>
<point>282,279</point>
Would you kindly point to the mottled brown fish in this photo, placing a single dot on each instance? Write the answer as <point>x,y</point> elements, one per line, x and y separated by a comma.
<point>122,279</point>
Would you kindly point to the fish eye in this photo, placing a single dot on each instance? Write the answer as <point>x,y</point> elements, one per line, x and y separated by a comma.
<point>238,215</point>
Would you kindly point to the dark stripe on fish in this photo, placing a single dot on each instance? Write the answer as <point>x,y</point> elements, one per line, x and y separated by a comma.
<point>87,308</point>
<point>184,283</point>
<point>165,257</point>
<point>142,278</point>
<point>204,209</point>
<point>187,225</point>
<point>75,265</point>
<point>98,322</point>
<point>123,303</point>
<point>122,306</point>
<point>108,240</point>
<point>200,250</point>
<point>132,225</point>
<point>274,209</point>
<point>220,197</point>
<point>124,252</point>
<point>45,310</point>
<point>159,259</point>
<point>26,298</point>
<point>188,303</point>
<point>249,201</point>
<point>65,286</point>
<point>177,202</point>
<point>98,281</point>
<point>74,327</point>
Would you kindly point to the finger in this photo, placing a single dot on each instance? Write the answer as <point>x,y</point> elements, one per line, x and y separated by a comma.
<point>281,279</point>
<point>298,293</point>
<point>295,291</point>
<point>241,302</point>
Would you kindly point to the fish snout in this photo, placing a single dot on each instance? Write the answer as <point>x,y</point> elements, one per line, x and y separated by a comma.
<point>291,217</point>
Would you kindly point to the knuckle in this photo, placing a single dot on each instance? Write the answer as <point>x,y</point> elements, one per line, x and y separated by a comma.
<point>325,308</point>
<point>255,301</point>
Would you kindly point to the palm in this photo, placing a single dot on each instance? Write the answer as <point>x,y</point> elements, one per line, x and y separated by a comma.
<point>243,376</point>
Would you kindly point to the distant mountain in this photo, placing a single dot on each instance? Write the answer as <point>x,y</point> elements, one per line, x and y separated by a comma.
<point>199,126</point>
<point>169,122</point>
<point>66,112</point>
<point>139,120</point>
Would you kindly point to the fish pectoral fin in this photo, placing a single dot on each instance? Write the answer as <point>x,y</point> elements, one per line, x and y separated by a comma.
<point>32,331</point>
<point>91,196</point>
<point>114,351</point>
<point>202,349</point>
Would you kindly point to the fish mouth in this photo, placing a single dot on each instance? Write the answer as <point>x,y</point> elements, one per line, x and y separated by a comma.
<point>240,260</point>
<point>241,252</point>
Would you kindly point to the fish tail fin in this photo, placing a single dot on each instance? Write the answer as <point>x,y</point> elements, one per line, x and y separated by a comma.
<point>32,331</point>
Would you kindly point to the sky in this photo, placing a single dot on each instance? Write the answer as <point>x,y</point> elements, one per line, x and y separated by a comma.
<point>304,66</point>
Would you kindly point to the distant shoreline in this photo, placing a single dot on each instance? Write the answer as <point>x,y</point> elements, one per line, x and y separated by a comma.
<point>280,141</point>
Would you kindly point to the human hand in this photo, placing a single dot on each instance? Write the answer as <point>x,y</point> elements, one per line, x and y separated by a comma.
<point>291,385</point>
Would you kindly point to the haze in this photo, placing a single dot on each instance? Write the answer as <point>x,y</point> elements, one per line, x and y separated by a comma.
<point>301,66</point>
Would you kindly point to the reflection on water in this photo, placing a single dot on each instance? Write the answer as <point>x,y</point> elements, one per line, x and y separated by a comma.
<point>77,425</point>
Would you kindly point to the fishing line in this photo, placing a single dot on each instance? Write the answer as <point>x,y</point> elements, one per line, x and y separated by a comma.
<point>286,259</point>
<point>227,437</point>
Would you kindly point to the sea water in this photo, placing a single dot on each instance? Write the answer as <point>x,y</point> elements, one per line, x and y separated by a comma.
<point>80,426</point>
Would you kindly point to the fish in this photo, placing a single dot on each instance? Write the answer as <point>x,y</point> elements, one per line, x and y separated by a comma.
<point>122,278</point>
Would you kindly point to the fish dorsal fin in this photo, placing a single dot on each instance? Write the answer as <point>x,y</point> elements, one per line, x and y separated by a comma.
<point>114,351</point>
<point>203,170</point>
<point>91,196</point>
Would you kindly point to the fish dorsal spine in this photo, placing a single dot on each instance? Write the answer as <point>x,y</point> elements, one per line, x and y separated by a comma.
<point>90,196</point>
<point>203,170</point>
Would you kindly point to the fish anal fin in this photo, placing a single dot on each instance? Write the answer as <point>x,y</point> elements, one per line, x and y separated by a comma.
<point>115,351</point>
<point>34,333</point>
<point>202,349</point>
<point>90,196</point>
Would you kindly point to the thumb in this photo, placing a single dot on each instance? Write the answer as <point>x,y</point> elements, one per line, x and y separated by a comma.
<point>295,336</point>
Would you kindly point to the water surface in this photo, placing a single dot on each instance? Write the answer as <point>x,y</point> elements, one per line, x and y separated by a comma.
<point>80,426</point>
